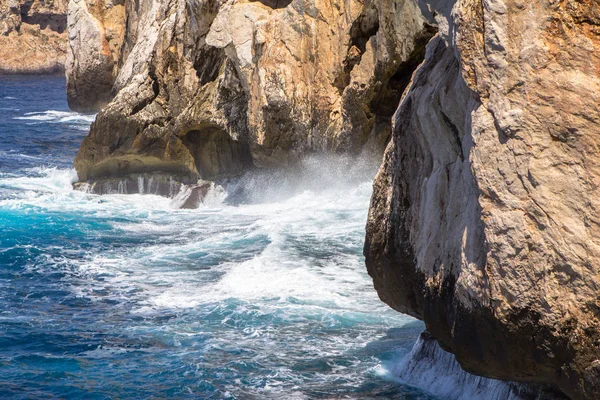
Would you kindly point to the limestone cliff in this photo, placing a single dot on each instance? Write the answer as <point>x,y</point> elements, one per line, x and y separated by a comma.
<point>207,88</point>
<point>33,36</point>
<point>484,218</point>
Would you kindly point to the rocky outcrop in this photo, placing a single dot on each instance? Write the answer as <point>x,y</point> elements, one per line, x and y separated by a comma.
<point>33,36</point>
<point>96,38</point>
<point>483,221</point>
<point>209,88</point>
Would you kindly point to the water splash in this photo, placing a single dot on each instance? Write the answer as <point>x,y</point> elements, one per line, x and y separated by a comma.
<point>430,367</point>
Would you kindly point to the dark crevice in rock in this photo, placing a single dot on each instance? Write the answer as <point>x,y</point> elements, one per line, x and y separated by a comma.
<point>155,89</point>
<point>455,134</point>
<point>215,153</point>
<point>55,22</point>
<point>209,64</point>
<point>386,104</point>
<point>275,4</point>
<point>365,26</point>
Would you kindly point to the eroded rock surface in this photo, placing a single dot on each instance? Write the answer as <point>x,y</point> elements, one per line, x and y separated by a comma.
<point>33,38</point>
<point>96,38</point>
<point>208,88</point>
<point>484,215</point>
<point>484,218</point>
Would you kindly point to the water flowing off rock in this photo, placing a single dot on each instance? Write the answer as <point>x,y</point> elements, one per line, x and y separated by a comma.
<point>484,218</point>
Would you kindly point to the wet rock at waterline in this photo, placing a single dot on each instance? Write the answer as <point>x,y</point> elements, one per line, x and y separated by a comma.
<point>193,195</point>
<point>184,196</point>
<point>429,366</point>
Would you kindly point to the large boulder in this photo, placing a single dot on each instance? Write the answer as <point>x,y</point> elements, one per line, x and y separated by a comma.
<point>484,217</point>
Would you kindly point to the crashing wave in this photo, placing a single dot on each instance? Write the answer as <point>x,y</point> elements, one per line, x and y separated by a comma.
<point>54,116</point>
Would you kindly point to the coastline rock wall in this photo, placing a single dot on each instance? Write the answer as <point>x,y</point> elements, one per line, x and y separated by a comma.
<point>208,88</point>
<point>483,220</point>
<point>429,366</point>
<point>33,36</point>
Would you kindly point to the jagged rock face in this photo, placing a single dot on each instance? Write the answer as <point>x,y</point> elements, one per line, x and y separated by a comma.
<point>484,218</point>
<point>207,88</point>
<point>96,35</point>
<point>32,36</point>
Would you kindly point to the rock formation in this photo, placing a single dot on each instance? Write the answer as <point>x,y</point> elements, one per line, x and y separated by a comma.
<point>209,88</point>
<point>484,218</point>
<point>96,38</point>
<point>33,38</point>
<point>484,214</point>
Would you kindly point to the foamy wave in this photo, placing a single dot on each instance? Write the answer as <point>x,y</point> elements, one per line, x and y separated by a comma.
<point>291,253</point>
<point>53,116</point>
<point>44,180</point>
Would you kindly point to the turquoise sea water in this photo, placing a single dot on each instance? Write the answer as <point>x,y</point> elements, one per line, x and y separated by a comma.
<point>123,296</point>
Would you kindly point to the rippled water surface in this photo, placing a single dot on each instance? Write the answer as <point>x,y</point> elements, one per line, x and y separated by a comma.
<point>126,297</point>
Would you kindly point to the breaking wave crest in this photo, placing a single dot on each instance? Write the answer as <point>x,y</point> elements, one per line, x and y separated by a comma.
<point>53,116</point>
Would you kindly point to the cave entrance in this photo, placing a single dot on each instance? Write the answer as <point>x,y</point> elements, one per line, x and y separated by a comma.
<point>215,153</point>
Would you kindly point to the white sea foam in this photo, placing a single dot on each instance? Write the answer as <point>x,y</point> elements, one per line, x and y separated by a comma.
<point>53,116</point>
<point>282,270</point>
<point>42,180</point>
<point>19,156</point>
<point>284,261</point>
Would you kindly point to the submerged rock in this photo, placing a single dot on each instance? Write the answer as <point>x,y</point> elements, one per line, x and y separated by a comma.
<point>33,36</point>
<point>192,195</point>
<point>484,217</point>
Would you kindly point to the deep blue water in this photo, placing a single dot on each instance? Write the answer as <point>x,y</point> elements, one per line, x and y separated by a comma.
<point>126,297</point>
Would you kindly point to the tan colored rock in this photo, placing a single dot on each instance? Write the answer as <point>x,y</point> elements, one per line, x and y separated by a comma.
<point>10,16</point>
<point>483,220</point>
<point>96,35</point>
<point>484,214</point>
<point>32,36</point>
<point>208,89</point>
